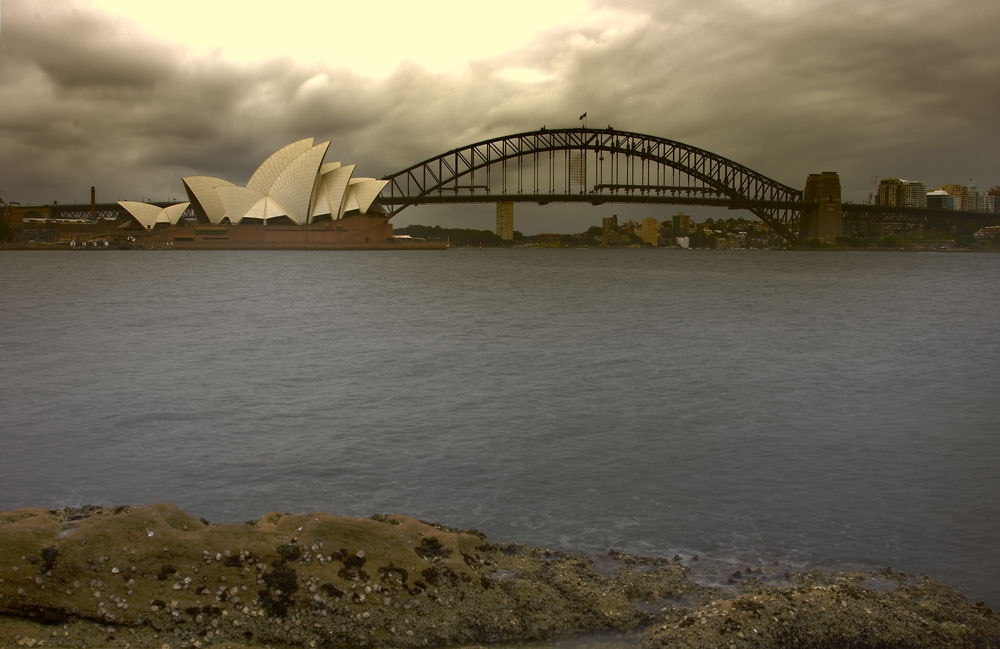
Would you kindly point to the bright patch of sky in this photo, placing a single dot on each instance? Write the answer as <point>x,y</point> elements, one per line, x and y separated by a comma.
<point>370,39</point>
<point>524,75</point>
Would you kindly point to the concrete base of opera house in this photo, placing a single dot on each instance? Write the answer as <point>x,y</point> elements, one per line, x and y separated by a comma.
<point>356,232</point>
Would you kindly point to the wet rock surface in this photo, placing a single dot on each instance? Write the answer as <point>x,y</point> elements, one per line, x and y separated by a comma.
<point>156,577</point>
<point>852,611</point>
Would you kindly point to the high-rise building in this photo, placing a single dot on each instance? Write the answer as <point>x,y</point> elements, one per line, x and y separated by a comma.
<point>890,192</point>
<point>682,224</point>
<point>914,194</point>
<point>960,195</point>
<point>993,199</point>
<point>905,193</point>
<point>651,231</point>
<point>976,201</point>
<point>940,200</point>
<point>609,230</point>
<point>505,220</point>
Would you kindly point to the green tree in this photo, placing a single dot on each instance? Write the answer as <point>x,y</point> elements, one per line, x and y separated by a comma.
<point>457,236</point>
<point>965,240</point>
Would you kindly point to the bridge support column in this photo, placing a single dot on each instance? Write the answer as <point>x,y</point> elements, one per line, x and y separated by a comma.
<point>505,220</point>
<point>824,219</point>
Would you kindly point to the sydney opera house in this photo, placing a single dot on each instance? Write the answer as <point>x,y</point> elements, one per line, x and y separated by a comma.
<point>292,200</point>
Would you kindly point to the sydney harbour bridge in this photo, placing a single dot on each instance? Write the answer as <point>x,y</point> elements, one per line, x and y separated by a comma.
<point>600,166</point>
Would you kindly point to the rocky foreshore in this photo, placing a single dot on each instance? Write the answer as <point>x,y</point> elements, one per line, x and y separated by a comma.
<point>157,577</point>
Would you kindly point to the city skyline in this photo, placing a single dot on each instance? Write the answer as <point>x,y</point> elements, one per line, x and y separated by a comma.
<point>130,99</point>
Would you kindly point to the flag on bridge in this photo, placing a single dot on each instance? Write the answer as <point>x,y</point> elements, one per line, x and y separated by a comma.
<point>584,116</point>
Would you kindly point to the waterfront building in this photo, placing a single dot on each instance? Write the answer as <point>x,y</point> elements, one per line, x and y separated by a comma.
<point>293,200</point>
<point>992,202</point>
<point>505,220</point>
<point>682,225</point>
<point>959,194</point>
<point>988,232</point>
<point>914,194</point>
<point>292,185</point>
<point>976,200</point>
<point>890,192</point>
<point>905,193</point>
<point>609,230</point>
<point>651,231</point>
<point>939,199</point>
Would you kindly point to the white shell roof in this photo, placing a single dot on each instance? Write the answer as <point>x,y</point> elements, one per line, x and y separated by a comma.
<point>269,170</point>
<point>333,187</point>
<point>364,191</point>
<point>238,200</point>
<point>350,201</point>
<point>293,187</point>
<point>149,215</point>
<point>202,190</point>
<point>174,212</point>
<point>320,203</point>
<point>264,209</point>
<point>293,181</point>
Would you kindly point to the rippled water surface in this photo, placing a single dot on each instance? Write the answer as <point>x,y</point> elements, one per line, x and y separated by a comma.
<point>775,408</point>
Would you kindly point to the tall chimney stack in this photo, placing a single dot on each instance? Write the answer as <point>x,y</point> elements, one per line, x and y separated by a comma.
<point>93,203</point>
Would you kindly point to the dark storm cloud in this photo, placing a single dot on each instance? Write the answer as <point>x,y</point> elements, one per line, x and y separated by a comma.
<point>93,107</point>
<point>94,60</point>
<point>861,88</point>
<point>787,89</point>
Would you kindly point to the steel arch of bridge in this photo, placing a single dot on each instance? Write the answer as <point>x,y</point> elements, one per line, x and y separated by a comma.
<point>596,166</point>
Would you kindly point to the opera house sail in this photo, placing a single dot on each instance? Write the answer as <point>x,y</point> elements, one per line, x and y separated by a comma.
<point>292,200</point>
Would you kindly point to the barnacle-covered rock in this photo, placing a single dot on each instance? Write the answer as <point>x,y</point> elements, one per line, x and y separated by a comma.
<point>154,576</point>
<point>843,613</point>
<point>146,573</point>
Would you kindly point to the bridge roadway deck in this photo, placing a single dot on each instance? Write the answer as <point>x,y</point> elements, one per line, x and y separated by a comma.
<point>898,214</point>
<point>850,211</point>
<point>593,199</point>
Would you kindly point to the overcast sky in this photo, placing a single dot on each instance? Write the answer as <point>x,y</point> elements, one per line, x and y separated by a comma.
<point>131,96</point>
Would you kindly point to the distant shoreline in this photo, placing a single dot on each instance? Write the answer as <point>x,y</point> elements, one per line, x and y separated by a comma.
<point>65,248</point>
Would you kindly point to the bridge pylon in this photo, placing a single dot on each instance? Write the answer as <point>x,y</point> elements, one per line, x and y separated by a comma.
<point>822,215</point>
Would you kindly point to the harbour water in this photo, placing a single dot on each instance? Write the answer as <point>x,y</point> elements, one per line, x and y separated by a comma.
<point>752,408</point>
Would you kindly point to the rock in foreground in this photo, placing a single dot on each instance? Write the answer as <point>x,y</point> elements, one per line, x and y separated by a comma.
<point>154,577</point>
<point>841,614</point>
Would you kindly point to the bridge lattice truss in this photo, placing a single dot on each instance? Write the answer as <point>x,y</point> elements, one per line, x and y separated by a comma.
<point>596,166</point>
